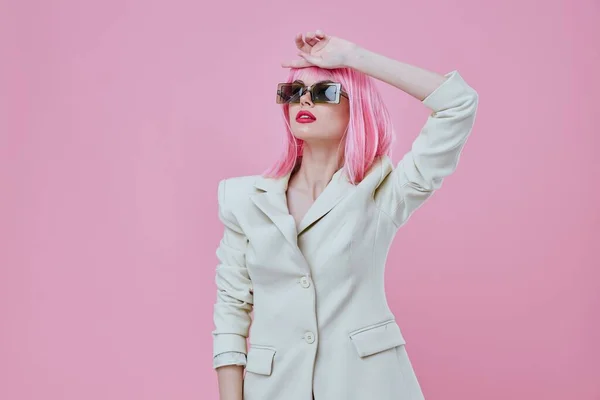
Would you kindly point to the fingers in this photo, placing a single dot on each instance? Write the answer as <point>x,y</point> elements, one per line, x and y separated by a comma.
<point>320,34</point>
<point>299,41</point>
<point>311,39</point>
<point>306,60</point>
<point>312,60</point>
<point>305,45</point>
<point>301,63</point>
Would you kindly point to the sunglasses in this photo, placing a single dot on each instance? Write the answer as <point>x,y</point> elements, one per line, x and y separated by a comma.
<point>320,92</point>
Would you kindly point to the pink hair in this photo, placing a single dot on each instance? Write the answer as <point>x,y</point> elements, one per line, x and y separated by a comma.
<point>369,133</point>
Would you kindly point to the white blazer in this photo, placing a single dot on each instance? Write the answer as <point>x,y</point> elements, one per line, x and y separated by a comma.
<point>321,323</point>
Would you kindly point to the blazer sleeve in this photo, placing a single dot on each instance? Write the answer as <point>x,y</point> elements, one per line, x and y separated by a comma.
<point>229,358</point>
<point>234,288</point>
<point>434,153</point>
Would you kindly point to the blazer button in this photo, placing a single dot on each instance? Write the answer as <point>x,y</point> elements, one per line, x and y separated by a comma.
<point>309,337</point>
<point>304,282</point>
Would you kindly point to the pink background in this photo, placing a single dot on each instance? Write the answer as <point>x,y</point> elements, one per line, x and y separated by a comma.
<point>118,118</point>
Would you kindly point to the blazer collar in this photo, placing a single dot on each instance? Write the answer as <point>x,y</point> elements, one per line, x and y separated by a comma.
<point>272,201</point>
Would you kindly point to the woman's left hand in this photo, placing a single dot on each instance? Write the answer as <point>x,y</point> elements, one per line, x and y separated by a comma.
<point>321,50</point>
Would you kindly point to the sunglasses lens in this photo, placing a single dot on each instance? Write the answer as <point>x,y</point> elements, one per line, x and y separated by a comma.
<point>326,93</point>
<point>289,92</point>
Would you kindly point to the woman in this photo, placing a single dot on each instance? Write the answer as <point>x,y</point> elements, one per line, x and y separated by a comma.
<point>305,244</point>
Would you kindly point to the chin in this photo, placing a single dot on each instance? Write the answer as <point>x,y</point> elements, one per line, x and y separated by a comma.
<point>308,134</point>
<point>314,136</point>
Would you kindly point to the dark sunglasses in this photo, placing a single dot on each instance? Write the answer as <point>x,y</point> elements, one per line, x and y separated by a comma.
<point>320,92</point>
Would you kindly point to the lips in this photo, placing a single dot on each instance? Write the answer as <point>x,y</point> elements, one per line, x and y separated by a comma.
<point>305,117</point>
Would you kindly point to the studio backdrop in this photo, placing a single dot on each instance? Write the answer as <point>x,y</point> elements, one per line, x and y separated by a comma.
<point>119,118</point>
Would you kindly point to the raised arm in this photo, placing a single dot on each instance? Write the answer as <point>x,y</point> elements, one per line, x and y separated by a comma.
<point>436,150</point>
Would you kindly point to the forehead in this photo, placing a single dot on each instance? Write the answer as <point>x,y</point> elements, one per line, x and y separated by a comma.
<point>311,75</point>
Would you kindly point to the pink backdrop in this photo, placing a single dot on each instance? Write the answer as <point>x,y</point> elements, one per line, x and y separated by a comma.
<point>118,118</point>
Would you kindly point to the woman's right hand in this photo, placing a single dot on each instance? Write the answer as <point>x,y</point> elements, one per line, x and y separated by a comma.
<point>321,50</point>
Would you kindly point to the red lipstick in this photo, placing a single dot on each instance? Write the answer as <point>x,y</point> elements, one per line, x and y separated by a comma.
<point>305,117</point>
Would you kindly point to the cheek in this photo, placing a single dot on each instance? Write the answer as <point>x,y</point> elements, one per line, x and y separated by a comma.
<point>293,110</point>
<point>338,116</point>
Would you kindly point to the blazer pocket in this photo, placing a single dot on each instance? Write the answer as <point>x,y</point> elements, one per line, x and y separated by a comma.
<point>377,338</point>
<point>260,360</point>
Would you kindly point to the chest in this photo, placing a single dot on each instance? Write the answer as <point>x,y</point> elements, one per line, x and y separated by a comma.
<point>298,204</point>
<point>343,246</point>
<point>277,246</point>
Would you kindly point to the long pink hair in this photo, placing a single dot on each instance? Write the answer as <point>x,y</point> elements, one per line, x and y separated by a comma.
<point>369,133</point>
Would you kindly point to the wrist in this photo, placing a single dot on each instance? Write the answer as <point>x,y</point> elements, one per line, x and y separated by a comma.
<point>356,57</point>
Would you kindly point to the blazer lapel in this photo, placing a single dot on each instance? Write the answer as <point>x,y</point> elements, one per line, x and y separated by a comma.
<point>338,188</point>
<point>272,201</point>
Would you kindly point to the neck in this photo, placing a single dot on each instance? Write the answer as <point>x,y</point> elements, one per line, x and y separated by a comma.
<point>318,165</point>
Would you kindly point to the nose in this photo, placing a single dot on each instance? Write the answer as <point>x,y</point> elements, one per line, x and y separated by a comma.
<point>306,99</point>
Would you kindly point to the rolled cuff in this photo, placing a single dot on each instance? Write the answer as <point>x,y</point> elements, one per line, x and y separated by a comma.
<point>453,90</point>
<point>229,358</point>
<point>224,342</point>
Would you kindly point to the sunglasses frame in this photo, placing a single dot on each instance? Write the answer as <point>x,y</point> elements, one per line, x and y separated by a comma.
<point>340,92</point>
